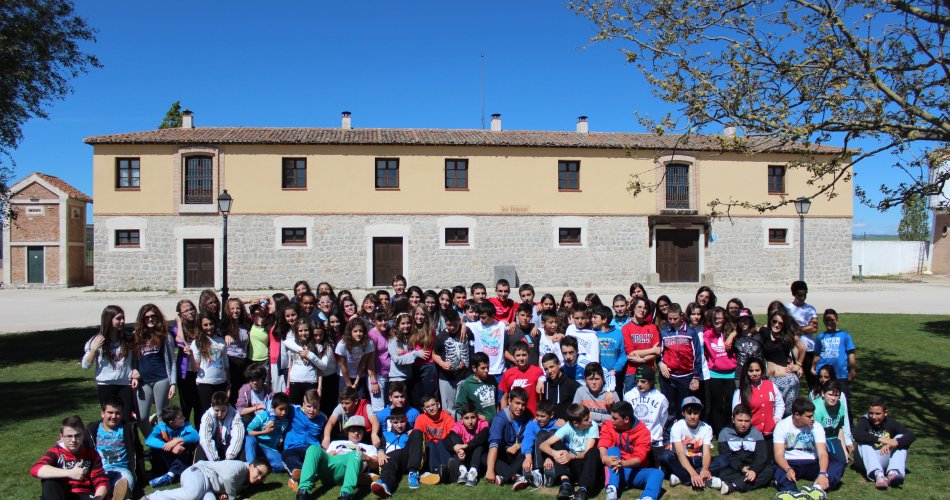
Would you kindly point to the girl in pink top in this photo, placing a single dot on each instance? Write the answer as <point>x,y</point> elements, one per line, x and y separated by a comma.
<point>721,361</point>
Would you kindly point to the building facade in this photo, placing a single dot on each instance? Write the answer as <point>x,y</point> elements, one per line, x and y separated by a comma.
<point>45,245</point>
<point>443,207</point>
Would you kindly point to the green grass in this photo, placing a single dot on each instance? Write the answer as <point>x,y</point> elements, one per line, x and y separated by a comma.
<point>901,356</point>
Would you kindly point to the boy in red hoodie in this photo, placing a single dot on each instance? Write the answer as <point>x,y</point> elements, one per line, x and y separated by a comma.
<point>624,447</point>
<point>435,424</point>
<point>70,467</point>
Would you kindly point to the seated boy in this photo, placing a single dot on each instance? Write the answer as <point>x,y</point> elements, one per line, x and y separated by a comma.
<point>538,431</point>
<point>743,456</point>
<point>505,457</point>
<point>221,433</point>
<point>882,443</point>
<point>800,453</point>
<point>558,388</point>
<point>573,448</point>
<point>70,468</point>
<point>174,441</point>
<point>435,425</point>
<point>522,374</point>
<point>221,479</point>
<point>594,396</point>
<point>265,434</point>
<point>650,406</point>
<point>120,449</point>
<point>479,389</point>
<point>341,463</point>
<point>467,444</point>
<point>351,405</point>
<point>306,429</point>
<point>254,395</point>
<point>624,445</point>
<point>397,399</point>
<point>401,454</point>
<point>692,444</point>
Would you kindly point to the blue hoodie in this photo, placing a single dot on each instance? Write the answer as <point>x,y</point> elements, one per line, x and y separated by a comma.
<point>272,438</point>
<point>613,355</point>
<point>506,431</point>
<point>162,434</point>
<point>531,433</point>
<point>303,431</point>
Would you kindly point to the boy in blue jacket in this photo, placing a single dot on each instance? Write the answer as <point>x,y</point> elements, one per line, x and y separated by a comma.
<point>174,440</point>
<point>265,434</point>
<point>505,457</point>
<point>306,428</point>
<point>538,430</point>
<point>613,354</point>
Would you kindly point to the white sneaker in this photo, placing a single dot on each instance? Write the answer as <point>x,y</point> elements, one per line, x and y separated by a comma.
<point>725,488</point>
<point>462,473</point>
<point>611,493</point>
<point>674,480</point>
<point>535,479</point>
<point>715,483</point>
<point>471,479</point>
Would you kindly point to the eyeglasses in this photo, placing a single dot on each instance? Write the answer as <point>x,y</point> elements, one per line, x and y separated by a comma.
<point>777,322</point>
<point>149,316</point>
<point>72,437</point>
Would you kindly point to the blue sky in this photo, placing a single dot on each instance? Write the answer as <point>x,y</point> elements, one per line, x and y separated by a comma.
<point>393,64</point>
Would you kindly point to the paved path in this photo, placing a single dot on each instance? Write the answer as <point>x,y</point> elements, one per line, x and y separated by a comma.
<point>27,310</point>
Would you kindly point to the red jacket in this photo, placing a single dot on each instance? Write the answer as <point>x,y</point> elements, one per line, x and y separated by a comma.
<point>435,430</point>
<point>638,338</point>
<point>87,457</point>
<point>634,443</point>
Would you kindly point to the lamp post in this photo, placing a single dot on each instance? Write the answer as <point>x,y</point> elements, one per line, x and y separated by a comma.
<point>224,205</point>
<point>802,204</point>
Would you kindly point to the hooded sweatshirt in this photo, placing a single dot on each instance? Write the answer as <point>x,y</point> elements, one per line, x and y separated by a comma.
<point>435,429</point>
<point>596,402</point>
<point>652,409</point>
<point>560,391</point>
<point>87,457</point>
<point>481,394</point>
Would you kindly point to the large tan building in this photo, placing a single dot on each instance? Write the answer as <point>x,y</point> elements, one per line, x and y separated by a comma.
<point>444,207</point>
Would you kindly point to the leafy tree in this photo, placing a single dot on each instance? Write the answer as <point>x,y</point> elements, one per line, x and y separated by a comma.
<point>805,71</point>
<point>39,53</point>
<point>172,117</point>
<point>913,225</point>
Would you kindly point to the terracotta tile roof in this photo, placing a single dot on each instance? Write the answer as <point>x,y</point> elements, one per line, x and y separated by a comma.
<point>436,137</point>
<point>62,186</point>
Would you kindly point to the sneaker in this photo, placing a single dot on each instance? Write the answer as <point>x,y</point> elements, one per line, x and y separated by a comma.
<point>714,483</point>
<point>674,480</point>
<point>380,489</point>
<point>429,479</point>
<point>566,492</point>
<point>880,482</point>
<point>120,490</point>
<point>611,493</point>
<point>895,479</point>
<point>303,495</point>
<point>813,493</point>
<point>535,479</point>
<point>724,490</point>
<point>499,480</point>
<point>413,480</point>
<point>549,479</point>
<point>344,496</point>
<point>443,473</point>
<point>581,494</point>
<point>788,495</point>
<point>471,479</point>
<point>153,419</point>
<point>520,483</point>
<point>463,473</point>
<point>163,480</point>
<point>293,482</point>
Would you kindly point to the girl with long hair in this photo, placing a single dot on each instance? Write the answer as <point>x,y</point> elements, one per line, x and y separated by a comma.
<point>185,332</point>
<point>354,355</point>
<point>568,301</point>
<point>782,368</point>
<point>236,337</point>
<point>328,385</point>
<point>110,351</point>
<point>209,303</point>
<point>425,379</point>
<point>153,364</point>
<point>721,360</point>
<point>286,317</point>
<point>660,311</point>
<point>302,374</point>
<point>209,357</point>
<point>762,396</point>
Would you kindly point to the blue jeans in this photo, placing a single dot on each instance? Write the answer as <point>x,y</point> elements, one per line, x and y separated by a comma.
<point>252,448</point>
<point>808,470</point>
<point>647,479</point>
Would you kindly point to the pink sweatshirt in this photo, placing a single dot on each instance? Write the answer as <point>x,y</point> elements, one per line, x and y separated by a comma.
<point>718,357</point>
<point>460,429</point>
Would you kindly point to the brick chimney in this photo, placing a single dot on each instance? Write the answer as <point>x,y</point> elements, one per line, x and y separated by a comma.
<point>496,122</point>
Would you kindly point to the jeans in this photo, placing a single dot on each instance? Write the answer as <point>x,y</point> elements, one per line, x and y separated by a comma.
<point>379,402</point>
<point>647,479</point>
<point>252,449</point>
<point>808,470</point>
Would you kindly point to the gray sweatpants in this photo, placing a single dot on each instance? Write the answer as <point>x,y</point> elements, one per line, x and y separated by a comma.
<point>145,394</point>
<point>448,390</point>
<point>194,486</point>
<point>874,461</point>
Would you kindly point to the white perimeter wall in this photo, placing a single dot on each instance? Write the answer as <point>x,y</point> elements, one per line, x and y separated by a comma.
<point>888,257</point>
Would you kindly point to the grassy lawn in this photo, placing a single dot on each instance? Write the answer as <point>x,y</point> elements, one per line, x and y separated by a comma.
<point>901,356</point>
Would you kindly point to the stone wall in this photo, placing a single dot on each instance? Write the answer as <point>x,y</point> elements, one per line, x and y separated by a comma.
<point>614,254</point>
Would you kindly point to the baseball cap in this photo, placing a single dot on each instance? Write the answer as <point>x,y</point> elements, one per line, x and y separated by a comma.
<point>689,400</point>
<point>744,313</point>
<point>356,421</point>
<point>646,372</point>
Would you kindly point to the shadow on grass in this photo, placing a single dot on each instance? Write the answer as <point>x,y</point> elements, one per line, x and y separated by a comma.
<point>29,400</point>
<point>53,345</point>
<point>938,327</point>
<point>914,391</point>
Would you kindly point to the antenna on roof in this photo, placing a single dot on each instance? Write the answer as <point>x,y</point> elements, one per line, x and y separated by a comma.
<point>483,91</point>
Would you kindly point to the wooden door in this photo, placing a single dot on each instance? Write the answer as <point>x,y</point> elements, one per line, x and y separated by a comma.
<point>387,260</point>
<point>199,263</point>
<point>35,265</point>
<point>677,255</point>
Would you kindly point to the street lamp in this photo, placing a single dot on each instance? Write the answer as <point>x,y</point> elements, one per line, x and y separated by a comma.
<point>802,204</point>
<point>224,205</point>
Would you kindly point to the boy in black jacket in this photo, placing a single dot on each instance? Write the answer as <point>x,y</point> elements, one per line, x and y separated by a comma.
<point>118,444</point>
<point>558,388</point>
<point>743,456</point>
<point>882,443</point>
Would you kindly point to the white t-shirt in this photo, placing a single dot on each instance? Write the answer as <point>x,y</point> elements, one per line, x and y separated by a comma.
<point>353,356</point>
<point>575,441</point>
<point>342,446</point>
<point>800,444</point>
<point>693,440</point>
<point>588,346</point>
<point>491,341</point>
<point>213,369</point>
<point>546,345</point>
<point>803,315</point>
<point>651,408</point>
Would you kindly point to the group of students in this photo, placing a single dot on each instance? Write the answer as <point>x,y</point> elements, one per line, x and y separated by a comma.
<point>529,393</point>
